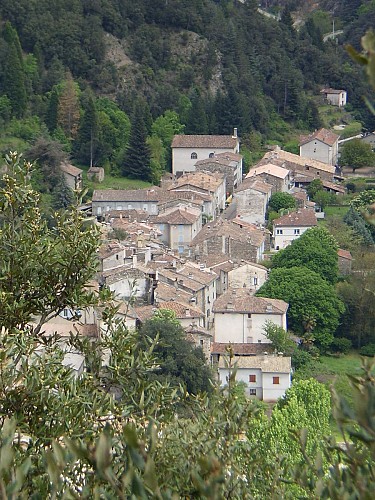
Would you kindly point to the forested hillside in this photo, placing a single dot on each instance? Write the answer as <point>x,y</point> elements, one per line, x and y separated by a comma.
<point>77,70</point>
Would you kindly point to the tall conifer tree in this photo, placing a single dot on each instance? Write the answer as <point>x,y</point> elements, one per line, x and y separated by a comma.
<point>137,161</point>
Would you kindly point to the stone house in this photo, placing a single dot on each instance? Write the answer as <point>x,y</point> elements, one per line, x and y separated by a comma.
<point>335,97</point>
<point>200,284</point>
<point>248,275</point>
<point>228,164</point>
<point>200,337</point>
<point>239,316</point>
<point>209,186</point>
<point>369,138</point>
<point>105,200</point>
<point>322,145</point>
<point>251,199</point>
<point>188,149</point>
<point>95,174</point>
<point>178,226</point>
<point>130,282</point>
<point>345,260</point>
<point>233,239</point>
<point>280,178</point>
<point>72,175</point>
<point>185,313</point>
<point>299,165</point>
<point>111,256</point>
<point>289,227</point>
<point>266,377</point>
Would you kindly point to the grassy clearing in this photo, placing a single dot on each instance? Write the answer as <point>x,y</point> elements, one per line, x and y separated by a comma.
<point>333,372</point>
<point>332,210</point>
<point>111,182</point>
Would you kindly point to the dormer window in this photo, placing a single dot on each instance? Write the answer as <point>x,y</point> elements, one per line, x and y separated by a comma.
<point>193,156</point>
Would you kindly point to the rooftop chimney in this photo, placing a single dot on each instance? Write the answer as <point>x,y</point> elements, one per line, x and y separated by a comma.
<point>235,133</point>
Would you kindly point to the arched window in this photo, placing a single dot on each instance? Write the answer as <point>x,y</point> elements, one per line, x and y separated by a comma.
<point>211,155</point>
<point>194,156</point>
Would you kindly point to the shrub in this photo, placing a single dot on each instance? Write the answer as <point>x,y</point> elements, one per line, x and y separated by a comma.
<point>367,350</point>
<point>341,345</point>
<point>301,358</point>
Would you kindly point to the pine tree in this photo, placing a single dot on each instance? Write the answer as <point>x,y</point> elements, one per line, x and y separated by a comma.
<point>14,76</point>
<point>137,161</point>
<point>52,111</point>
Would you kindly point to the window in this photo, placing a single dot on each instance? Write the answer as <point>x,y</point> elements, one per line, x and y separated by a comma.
<point>296,231</point>
<point>116,256</point>
<point>252,378</point>
<point>253,392</point>
<point>307,167</point>
<point>193,156</point>
<point>249,315</point>
<point>276,380</point>
<point>318,173</point>
<point>255,280</point>
<point>211,155</point>
<point>201,342</point>
<point>279,231</point>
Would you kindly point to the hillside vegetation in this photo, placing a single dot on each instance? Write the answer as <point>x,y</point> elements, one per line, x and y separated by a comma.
<point>82,72</point>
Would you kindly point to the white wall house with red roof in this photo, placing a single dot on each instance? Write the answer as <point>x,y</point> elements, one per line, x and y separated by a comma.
<point>290,227</point>
<point>239,316</point>
<point>322,145</point>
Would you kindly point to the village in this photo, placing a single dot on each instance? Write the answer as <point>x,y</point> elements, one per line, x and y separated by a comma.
<point>197,244</point>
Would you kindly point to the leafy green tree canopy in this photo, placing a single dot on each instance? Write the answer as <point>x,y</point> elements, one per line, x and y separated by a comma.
<point>179,360</point>
<point>357,154</point>
<point>315,249</point>
<point>42,270</point>
<point>312,300</point>
<point>281,200</point>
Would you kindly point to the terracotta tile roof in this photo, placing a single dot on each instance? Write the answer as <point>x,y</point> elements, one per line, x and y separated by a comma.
<point>227,159</point>
<point>302,218</point>
<point>334,187</point>
<point>202,180</point>
<point>166,293</point>
<point>178,216</point>
<point>270,169</point>
<point>344,254</point>
<point>149,194</point>
<point>70,169</point>
<point>181,281</point>
<point>181,310</point>
<point>194,329</point>
<point>288,160</point>
<point>111,248</point>
<point>145,312</point>
<point>240,300</point>
<point>239,349</point>
<point>220,227</point>
<point>191,271</point>
<point>64,329</point>
<point>268,364</point>
<point>255,185</point>
<point>204,141</point>
<point>322,135</point>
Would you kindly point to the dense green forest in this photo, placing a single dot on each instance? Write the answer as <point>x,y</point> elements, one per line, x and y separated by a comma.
<point>86,73</point>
